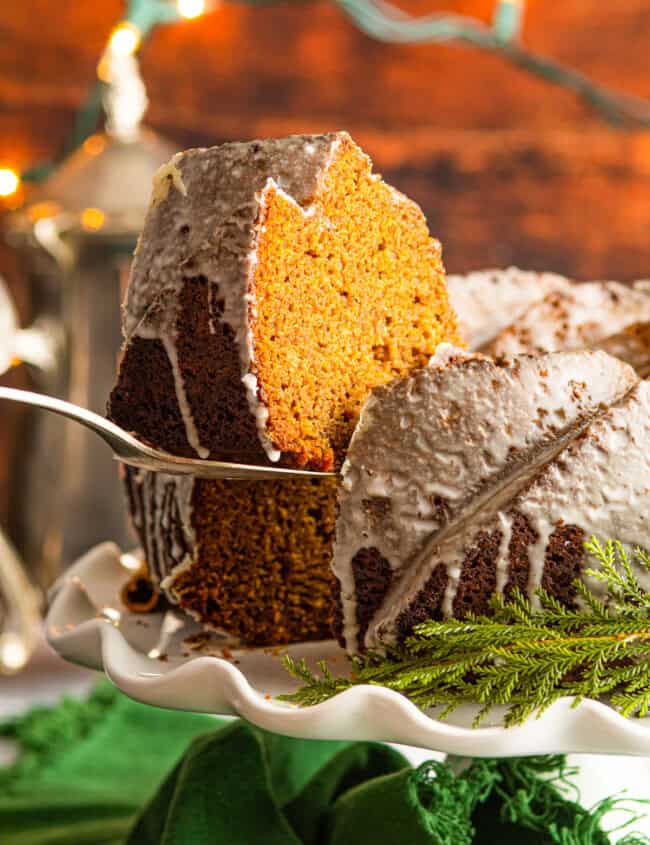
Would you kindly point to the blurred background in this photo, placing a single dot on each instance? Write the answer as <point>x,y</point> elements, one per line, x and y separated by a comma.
<point>509,167</point>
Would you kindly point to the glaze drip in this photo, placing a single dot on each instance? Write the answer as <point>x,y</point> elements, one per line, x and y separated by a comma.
<point>204,220</point>
<point>447,452</point>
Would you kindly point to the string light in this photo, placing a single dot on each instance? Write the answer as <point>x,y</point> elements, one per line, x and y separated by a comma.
<point>9,182</point>
<point>123,42</point>
<point>92,219</point>
<point>379,19</point>
<point>125,39</point>
<point>94,144</point>
<point>40,210</point>
<point>508,19</point>
<point>190,9</point>
<point>13,652</point>
<point>386,22</point>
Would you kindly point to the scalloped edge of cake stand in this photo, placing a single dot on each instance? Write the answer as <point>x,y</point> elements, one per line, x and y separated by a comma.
<point>87,624</point>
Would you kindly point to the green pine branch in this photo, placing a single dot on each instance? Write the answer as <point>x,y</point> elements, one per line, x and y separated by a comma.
<point>517,655</point>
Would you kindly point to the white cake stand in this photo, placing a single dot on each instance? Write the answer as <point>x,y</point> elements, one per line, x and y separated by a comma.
<point>155,658</point>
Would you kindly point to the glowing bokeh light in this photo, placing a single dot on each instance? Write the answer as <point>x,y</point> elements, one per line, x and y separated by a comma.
<point>92,219</point>
<point>191,8</point>
<point>125,39</point>
<point>13,652</point>
<point>9,182</point>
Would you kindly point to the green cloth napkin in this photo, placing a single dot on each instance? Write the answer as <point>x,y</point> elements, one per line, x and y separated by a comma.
<point>111,770</point>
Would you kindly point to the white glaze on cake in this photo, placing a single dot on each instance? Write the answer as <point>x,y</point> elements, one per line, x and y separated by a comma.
<point>602,483</point>
<point>502,565</point>
<point>167,176</point>
<point>513,311</point>
<point>487,301</point>
<point>631,345</point>
<point>160,500</point>
<point>167,583</point>
<point>579,318</point>
<point>162,513</point>
<point>204,220</point>
<point>439,455</point>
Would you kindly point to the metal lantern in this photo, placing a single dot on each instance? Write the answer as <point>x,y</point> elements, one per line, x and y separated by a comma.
<point>76,236</point>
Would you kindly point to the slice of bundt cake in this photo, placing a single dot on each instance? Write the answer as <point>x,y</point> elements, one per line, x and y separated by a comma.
<point>473,476</point>
<point>275,283</point>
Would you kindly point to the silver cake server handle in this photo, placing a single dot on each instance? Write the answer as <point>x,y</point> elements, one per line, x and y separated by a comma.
<point>128,450</point>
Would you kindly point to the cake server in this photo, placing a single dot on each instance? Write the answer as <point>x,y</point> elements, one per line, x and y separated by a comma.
<point>128,450</point>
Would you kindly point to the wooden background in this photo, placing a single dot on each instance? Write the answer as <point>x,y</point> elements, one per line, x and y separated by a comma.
<point>508,168</point>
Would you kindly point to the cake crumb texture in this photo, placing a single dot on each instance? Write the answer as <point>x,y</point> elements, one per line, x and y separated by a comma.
<point>262,571</point>
<point>266,301</point>
<point>348,297</point>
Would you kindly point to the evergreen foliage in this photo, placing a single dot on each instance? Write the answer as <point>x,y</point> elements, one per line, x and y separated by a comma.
<point>518,655</point>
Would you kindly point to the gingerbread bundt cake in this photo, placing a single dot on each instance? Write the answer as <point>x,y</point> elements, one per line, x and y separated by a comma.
<point>275,284</point>
<point>474,476</point>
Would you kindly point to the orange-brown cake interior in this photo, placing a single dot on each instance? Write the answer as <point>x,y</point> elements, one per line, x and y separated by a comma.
<point>268,298</point>
<point>273,545</point>
<point>348,296</point>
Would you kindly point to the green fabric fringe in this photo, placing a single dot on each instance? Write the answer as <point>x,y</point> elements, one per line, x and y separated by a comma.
<point>108,770</point>
<point>528,792</point>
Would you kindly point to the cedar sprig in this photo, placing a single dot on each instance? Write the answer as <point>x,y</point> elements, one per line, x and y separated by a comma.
<point>518,655</point>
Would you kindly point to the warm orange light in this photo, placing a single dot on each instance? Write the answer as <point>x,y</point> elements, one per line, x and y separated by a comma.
<point>92,219</point>
<point>43,209</point>
<point>13,651</point>
<point>9,181</point>
<point>125,39</point>
<point>103,69</point>
<point>94,144</point>
<point>191,8</point>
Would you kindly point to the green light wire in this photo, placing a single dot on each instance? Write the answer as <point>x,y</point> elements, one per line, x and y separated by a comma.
<point>384,22</point>
<point>387,23</point>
